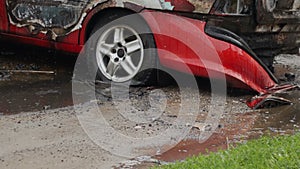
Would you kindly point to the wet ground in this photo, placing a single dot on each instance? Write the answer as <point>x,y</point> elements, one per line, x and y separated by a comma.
<point>39,80</point>
<point>34,79</point>
<point>240,126</point>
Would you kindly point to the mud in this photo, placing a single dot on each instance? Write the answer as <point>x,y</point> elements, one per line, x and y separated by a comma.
<point>230,133</point>
<point>238,127</point>
<point>50,129</point>
<point>34,79</point>
<point>285,119</point>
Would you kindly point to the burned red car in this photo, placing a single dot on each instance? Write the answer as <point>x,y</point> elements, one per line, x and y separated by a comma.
<point>244,34</point>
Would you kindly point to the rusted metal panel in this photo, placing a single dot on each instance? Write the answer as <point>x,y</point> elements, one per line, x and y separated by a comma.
<point>277,12</point>
<point>52,15</point>
<point>55,16</point>
<point>234,7</point>
<point>203,6</point>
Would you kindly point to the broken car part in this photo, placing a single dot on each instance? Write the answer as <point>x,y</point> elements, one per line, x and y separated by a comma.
<point>233,57</point>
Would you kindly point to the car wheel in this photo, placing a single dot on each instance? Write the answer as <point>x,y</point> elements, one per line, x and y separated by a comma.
<point>123,50</point>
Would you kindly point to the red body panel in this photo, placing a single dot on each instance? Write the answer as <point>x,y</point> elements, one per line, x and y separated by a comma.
<point>67,47</point>
<point>205,56</point>
<point>83,30</point>
<point>71,38</point>
<point>24,31</point>
<point>68,43</point>
<point>3,17</point>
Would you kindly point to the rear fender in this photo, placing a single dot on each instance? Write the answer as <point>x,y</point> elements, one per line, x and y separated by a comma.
<point>206,56</point>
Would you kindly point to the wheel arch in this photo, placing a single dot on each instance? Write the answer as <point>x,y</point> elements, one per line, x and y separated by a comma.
<point>101,11</point>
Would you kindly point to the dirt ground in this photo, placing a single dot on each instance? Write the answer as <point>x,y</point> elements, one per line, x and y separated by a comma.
<point>40,128</point>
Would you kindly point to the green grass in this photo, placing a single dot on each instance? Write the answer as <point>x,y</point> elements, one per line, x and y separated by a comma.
<point>265,153</point>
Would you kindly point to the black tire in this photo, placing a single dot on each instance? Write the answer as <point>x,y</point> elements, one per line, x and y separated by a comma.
<point>136,24</point>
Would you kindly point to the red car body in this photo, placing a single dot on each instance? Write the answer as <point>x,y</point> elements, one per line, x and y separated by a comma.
<point>241,66</point>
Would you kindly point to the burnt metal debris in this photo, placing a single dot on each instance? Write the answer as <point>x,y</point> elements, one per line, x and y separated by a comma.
<point>58,16</point>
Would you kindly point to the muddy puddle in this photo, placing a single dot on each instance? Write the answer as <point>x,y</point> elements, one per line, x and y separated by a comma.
<point>252,124</point>
<point>242,127</point>
<point>34,79</point>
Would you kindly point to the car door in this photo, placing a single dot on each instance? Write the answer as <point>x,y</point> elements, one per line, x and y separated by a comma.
<point>3,17</point>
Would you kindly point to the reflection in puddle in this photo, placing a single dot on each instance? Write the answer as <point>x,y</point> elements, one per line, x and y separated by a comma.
<point>25,97</point>
<point>282,119</point>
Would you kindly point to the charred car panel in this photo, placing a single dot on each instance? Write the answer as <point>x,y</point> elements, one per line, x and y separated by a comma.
<point>64,16</point>
<point>54,15</point>
<point>57,16</point>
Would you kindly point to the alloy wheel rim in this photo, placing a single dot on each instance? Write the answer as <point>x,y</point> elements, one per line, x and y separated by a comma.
<point>119,53</point>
